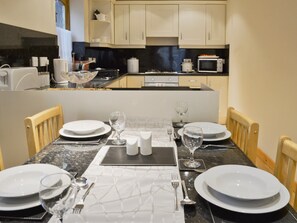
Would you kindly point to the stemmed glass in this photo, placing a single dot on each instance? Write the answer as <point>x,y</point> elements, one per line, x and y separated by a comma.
<point>57,193</point>
<point>192,138</point>
<point>117,121</point>
<point>181,108</point>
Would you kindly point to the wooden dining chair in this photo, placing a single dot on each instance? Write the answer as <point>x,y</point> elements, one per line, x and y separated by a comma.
<point>285,166</point>
<point>244,132</point>
<point>43,128</point>
<point>1,160</point>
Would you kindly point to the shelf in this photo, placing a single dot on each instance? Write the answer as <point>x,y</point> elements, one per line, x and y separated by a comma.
<point>100,21</point>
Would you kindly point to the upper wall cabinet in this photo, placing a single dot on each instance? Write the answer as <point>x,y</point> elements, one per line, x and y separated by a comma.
<point>202,25</point>
<point>130,25</point>
<point>162,20</point>
<point>216,24</point>
<point>101,28</point>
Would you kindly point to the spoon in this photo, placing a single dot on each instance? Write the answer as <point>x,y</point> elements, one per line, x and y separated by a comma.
<point>186,200</point>
<point>81,182</point>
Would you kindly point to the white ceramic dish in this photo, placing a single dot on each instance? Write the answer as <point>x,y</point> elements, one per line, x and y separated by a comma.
<point>242,182</point>
<point>219,137</point>
<point>15,204</point>
<point>83,127</point>
<point>242,206</point>
<point>210,129</point>
<point>23,180</point>
<point>105,129</point>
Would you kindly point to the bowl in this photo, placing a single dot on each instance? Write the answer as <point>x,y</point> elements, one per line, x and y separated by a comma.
<point>79,77</point>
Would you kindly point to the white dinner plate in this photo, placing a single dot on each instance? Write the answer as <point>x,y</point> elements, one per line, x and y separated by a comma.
<point>242,182</point>
<point>105,129</point>
<point>24,180</point>
<point>83,127</point>
<point>242,206</point>
<point>21,203</point>
<point>209,129</point>
<point>219,137</point>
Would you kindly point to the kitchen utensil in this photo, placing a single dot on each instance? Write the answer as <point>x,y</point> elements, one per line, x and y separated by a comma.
<point>186,200</point>
<point>175,184</point>
<point>218,146</point>
<point>60,65</point>
<point>187,65</point>
<point>133,65</point>
<point>81,182</point>
<point>81,203</point>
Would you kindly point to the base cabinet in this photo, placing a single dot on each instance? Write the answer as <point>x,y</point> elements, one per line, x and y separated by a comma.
<point>217,83</point>
<point>135,82</point>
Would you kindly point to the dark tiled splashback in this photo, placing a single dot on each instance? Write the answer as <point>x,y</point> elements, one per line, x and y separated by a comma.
<point>163,58</point>
<point>18,45</point>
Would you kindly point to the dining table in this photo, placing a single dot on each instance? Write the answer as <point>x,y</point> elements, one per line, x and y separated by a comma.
<point>81,159</point>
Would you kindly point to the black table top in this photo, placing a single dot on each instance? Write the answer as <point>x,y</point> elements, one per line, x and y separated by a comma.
<point>78,161</point>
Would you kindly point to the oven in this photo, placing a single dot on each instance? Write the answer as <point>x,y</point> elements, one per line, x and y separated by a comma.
<point>161,81</point>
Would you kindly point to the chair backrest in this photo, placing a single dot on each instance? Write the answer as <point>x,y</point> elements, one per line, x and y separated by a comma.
<point>1,160</point>
<point>285,166</point>
<point>244,132</point>
<point>43,128</point>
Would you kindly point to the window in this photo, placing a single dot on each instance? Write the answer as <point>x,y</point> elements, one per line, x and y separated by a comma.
<point>62,14</point>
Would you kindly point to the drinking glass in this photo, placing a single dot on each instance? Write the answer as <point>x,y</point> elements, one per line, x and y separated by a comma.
<point>117,121</point>
<point>181,108</point>
<point>192,138</point>
<point>57,193</point>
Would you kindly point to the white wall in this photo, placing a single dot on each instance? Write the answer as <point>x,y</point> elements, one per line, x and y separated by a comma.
<point>263,58</point>
<point>38,15</point>
<point>15,106</point>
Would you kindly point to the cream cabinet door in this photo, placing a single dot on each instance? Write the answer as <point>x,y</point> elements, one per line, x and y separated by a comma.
<point>192,81</point>
<point>192,24</point>
<point>137,25</point>
<point>121,24</point>
<point>135,81</point>
<point>114,84</point>
<point>220,83</point>
<point>162,20</point>
<point>216,24</point>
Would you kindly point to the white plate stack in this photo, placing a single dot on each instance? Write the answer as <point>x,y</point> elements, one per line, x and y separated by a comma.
<point>211,131</point>
<point>84,129</point>
<point>19,186</point>
<point>242,189</point>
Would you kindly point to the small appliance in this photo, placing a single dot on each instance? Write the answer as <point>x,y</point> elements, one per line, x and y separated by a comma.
<point>187,65</point>
<point>210,64</point>
<point>19,78</point>
<point>133,65</point>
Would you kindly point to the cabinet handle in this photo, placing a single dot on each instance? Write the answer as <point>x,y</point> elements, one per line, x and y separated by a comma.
<point>209,36</point>
<point>192,81</point>
<point>126,36</point>
<point>181,36</point>
<point>142,35</point>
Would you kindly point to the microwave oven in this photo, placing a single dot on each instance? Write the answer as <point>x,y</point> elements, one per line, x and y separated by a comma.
<point>210,65</point>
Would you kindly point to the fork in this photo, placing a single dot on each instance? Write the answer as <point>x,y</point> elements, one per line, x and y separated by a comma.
<point>81,203</point>
<point>175,184</point>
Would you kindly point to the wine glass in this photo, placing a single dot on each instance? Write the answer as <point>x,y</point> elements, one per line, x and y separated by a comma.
<point>181,108</point>
<point>57,193</point>
<point>192,138</point>
<point>117,121</point>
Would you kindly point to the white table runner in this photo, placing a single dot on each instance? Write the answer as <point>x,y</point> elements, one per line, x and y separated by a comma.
<point>132,193</point>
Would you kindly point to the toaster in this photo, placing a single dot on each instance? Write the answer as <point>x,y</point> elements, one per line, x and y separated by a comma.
<point>19,78</point>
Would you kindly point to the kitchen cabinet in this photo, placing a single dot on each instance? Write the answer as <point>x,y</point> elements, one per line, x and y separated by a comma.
<point>192,81</point>
<point>162,20</point>
<point>192,25</point>
<point>208,28</point>
<point>130,25</point>
<point>101,31</point>
<point>118,83</point>
<point>135,81</point>
<point>216,24</point>
<point>217,83</point>
<point>220,83</point>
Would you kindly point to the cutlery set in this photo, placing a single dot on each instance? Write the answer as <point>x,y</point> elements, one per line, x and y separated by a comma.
<point>81,203</point>
<point>175,184</point>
